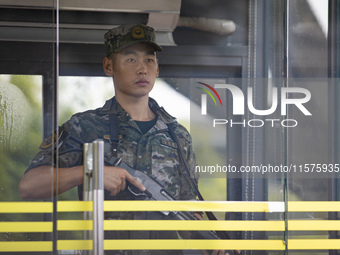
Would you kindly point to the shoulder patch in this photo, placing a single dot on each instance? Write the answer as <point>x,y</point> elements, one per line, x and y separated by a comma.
<point>48,142</point>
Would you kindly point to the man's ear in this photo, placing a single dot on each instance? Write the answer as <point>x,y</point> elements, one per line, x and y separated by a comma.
<point>108,66</point>
<point>157,69</point>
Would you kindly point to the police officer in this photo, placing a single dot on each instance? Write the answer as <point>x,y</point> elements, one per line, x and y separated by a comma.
<point>144,141</point>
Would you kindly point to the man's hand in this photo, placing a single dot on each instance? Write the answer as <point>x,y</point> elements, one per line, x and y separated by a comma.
<point>115,180</point>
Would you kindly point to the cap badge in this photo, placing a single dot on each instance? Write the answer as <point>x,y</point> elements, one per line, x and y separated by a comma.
<point>138,33</point>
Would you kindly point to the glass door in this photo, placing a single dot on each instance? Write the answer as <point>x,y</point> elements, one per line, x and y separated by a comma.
<point>261,104</point>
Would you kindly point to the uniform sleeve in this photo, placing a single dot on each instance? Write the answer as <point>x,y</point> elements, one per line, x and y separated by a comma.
<point>69,149</point>
<point>43,157</point>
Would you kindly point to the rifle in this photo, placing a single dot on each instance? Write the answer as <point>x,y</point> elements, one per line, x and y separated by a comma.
<point>155,191</point>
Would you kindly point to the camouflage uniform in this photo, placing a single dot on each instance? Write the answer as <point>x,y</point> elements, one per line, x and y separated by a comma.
<point>154,153</point>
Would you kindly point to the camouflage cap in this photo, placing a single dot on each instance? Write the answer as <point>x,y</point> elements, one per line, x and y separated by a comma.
<point>120,37</point>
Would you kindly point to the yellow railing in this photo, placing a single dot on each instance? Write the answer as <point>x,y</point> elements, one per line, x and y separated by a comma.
<point>79,225</point>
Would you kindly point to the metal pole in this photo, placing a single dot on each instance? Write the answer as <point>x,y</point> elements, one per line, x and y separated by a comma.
<point>286,133</point>
<point>332,39</point>
<point>98,197</point>
<point>88,189</point>
<point>55,127</point>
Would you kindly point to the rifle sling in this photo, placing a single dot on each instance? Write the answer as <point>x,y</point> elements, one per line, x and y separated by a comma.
<point>192,181</point>
<point>114,133</point>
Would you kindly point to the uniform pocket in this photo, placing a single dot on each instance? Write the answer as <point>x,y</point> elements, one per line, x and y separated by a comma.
<point>165,165</point>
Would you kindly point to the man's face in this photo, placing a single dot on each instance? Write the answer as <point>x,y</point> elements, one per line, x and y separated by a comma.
<point>135,69</point>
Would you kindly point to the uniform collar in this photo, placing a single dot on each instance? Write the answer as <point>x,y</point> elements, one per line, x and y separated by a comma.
<point>113,107</point>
